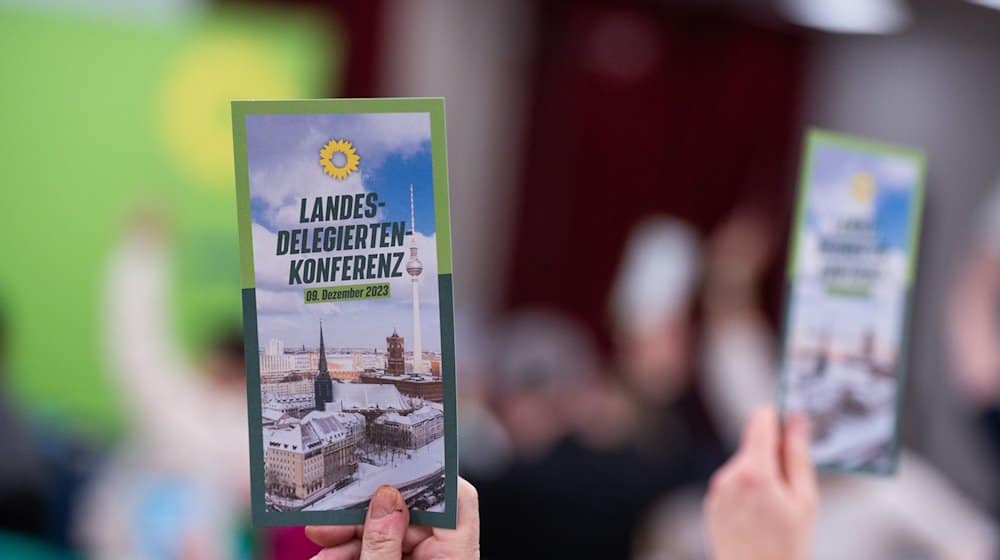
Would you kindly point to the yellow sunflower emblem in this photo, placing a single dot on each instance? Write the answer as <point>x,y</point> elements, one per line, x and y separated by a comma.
<point>863,187</point>
<point>347,164</point>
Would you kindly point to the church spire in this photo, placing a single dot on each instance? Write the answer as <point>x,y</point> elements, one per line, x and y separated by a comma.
<point>322,352</point>
<point>322,385</point>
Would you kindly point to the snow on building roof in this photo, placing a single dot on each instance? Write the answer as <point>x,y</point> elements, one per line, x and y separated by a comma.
<point>434,405</point>
<point>411,377</point>
<point>366,396</point>
<point>416,417</point>
<point>287,437</point>
<point>271,414</point>
<point>347,419</point>
<point>314,429</point>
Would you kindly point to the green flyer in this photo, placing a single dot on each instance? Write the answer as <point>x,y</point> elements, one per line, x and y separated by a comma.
<point>851,274</point>
<point>347,307</point>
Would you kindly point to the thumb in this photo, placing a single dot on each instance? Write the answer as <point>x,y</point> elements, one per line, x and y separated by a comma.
<point>799,470</point>
<point>385,526</point>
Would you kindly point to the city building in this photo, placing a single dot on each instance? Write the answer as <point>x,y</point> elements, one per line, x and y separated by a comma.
<point>274,363</point>
<point>275,367</point>
<point>304,458</point>
<point>271,416</point>
<point>275,347</point>
<point>427,387</point>
<point>395,362</point>
<point>371,360</point>
<point>283,389</point>
<point>294,405</point>
<point>371,400</point>
<point>408,431</point>
<point>303,360</point>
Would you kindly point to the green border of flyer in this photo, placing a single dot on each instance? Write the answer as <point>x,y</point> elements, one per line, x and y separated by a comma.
<point>435,108</point>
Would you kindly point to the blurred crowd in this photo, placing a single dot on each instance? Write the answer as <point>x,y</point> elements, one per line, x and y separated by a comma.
<point>622,180</point>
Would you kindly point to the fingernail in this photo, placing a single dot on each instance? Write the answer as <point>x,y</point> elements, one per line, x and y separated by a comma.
<point>385,501</point>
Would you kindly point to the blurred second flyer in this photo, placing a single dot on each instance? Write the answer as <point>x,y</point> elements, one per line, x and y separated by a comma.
<point>851,274</point>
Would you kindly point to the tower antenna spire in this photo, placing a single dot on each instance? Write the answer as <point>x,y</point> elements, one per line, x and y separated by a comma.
<point>413,219</point>
<point>414,267</point>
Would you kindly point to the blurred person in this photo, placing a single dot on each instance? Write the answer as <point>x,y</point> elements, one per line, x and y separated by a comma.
<point>22,487</point>
<point>387,534</point>
<point>737,335</point>
<point>974,322</point>
<point>484,442</point>
<point>41,476</point>
<point>179,487</point>
<point>607,446</point>
<point>652,315</point>
<point>914,515</point>
<point>542,360</point>
<point>861,517</point>
<point>650,307</point>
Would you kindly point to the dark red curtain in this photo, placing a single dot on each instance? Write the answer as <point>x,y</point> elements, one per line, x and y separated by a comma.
<point>642,109</point>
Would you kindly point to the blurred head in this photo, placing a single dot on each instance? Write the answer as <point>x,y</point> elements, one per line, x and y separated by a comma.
<point>543,361</point>
<point>225,361</point>
<point>651,305</point>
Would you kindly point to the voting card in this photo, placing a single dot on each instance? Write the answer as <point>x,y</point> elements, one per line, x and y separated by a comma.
<point>851,274</point>
<point>347,306</point>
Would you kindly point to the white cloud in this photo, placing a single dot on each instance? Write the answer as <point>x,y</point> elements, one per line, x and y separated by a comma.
<point>377,135</point>
<point>894,172</point>
<point>271,271</point>
<point>833,201</point>
<point>284,184</point>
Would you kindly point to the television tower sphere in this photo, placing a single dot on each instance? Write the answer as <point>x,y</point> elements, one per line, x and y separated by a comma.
<point>413,266</point>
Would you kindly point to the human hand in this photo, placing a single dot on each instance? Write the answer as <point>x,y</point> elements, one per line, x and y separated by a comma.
<point>973,330</point>
<point>762,503</point>
<point>387,534</point>
<point>740,249</point>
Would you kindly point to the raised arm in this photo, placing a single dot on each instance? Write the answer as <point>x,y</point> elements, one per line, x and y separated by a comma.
<point>974,333</point>
<point>144,357</point>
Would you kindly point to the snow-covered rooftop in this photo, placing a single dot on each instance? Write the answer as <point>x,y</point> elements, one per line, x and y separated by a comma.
<point>410,377</point>
<point>415,417</point>
<point>314,429</point>
<point>271,414</point>
<point>365,396</point>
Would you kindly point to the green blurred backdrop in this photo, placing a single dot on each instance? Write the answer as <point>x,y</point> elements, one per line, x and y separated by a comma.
<point>108,116</point>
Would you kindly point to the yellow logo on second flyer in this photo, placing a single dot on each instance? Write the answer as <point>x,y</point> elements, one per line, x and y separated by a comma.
<point>339,159</point>
<point>863,187</point>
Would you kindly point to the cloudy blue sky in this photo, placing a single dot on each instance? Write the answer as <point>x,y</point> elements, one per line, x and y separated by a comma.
<point>283,154</point>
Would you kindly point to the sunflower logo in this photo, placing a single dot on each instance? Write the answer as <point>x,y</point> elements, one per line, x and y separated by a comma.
<point>863,187</point>
<point>339,159</point>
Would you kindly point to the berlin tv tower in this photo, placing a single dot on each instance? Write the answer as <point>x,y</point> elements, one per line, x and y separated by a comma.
<point>414,267</point>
